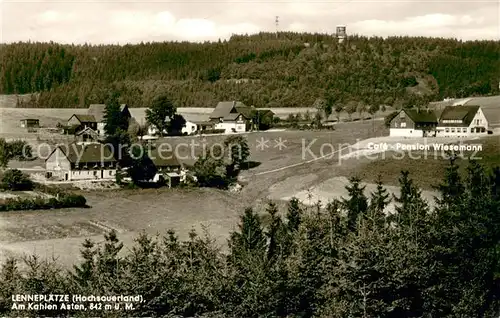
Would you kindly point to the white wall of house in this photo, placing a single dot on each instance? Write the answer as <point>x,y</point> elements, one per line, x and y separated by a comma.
<point>100,128</point>
<point>188,128</point>
<point>103,174</point>
<point>479,121</point>
<point>228,126</point>
<point>58,164</point>
<point>405,132</point>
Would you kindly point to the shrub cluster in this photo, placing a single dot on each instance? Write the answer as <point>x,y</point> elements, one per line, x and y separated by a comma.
<point>38,203</point>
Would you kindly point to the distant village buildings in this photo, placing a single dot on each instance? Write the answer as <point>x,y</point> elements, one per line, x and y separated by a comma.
<point>454,121</point>
<point>94,119</point>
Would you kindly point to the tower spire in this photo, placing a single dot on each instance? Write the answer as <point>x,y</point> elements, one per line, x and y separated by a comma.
<point>277,22</point>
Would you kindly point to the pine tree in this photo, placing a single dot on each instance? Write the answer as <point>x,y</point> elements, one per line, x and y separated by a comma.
<point>451,190</point>
<point>108,263</point>
<point>294,214</point>
<point>357,203</point>
<point>250,237</point>
<point>380,199</point>
<point>411,208</point>
<point>84,276</point>
<point>113,120</point>
<point>275,233</point>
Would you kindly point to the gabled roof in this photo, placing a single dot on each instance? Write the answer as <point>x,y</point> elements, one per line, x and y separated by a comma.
<point>223,109</point>
<point>164,158</point>
<point>464,113</point>
<point>421,116</point>
<point>266,112</point>
<point>90,153</point>
<point>87,130</point>
<point>84,118</point>
<point>98,111</point>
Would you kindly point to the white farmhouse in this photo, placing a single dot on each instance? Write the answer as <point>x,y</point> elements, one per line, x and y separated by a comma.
<point>413,123</point>
<point>232,117</point>
<point>189,128</point>
<point>462,121</point>
<point>81,162</point>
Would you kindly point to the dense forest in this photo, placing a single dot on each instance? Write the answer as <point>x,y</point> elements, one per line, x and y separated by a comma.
<point>345,259</point>
<point>291,70</point>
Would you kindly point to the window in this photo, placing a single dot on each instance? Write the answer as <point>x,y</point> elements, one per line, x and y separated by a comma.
<point>403,125</point>
<point>396,125</point>
<point>464,130</point>
<point>447,130</point>
<point>111,173</point>
<point>402,114</point>
<point>95,172</point>
<point>453,130</point>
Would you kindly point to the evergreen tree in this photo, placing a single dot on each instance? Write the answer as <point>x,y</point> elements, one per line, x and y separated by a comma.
<point>411,208</point>
<point>451,190</point>
<point>380,199</point>
<point>85,274</point>
<point>113,119</point>
<point>250,237</point>
<point>294,214</point>
<point>275,234</point>
<point>356,204</point>
<point>108,263</point>
<point>161,113</point>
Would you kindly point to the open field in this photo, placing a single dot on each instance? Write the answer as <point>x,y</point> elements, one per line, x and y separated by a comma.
<point>289,171</point>
<point>426,168</point>
<point>61,232</point>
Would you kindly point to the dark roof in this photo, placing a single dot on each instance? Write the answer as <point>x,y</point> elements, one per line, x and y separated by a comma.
<point>266,112</point>
<point>421,116</point>
<point>98,111</point>
<point>90,153</point>
<point>163,158</point>
<point>464,113</point>
<point>84,118</point>
<point>223,109</point>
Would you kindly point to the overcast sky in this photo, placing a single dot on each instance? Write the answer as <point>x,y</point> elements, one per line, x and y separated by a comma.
<point>122,22</point>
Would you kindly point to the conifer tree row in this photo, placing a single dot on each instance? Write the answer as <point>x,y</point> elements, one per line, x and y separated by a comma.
<point>346,259</point>
<point>258,69</point>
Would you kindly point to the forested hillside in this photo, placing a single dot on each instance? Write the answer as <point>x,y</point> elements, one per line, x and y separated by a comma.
<point>293,70</point>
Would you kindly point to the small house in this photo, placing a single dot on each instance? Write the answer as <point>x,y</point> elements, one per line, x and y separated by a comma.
<point>80,122</point>
<point>81,162</point>
<point>30,123</point>
<point>98,112</point>
<point>87,135</point>
<point>168,166</point>
<point>413,123</point>
<point>462,121</point>
<point>232,117</point>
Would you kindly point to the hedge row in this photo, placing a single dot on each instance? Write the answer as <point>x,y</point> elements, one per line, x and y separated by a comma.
<point>65,201</point>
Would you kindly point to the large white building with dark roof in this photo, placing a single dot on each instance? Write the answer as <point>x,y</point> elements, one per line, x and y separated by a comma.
<point>462,121</point>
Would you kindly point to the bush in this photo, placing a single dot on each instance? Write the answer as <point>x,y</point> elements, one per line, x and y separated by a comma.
<point>67,201</point>
<point>15,180</point>
<point>20,150</point>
